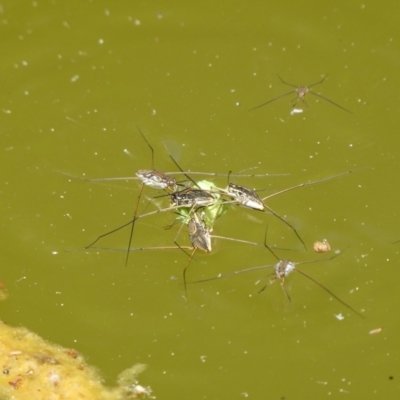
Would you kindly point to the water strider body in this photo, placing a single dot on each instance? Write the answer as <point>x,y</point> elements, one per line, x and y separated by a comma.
<point>199,235</point>
<point>191,197</point>
<point>157,180</point>
<point>301,92</point>
<point>245,196</point>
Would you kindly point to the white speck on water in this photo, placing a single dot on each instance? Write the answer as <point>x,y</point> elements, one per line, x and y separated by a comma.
<point>296,111</point>
<point>375,331</point>
<point>339,317</point>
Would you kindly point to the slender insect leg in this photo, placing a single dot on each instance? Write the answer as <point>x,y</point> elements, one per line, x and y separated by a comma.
<point>133,225</point>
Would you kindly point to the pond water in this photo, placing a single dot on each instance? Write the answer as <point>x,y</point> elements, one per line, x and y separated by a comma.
<point>80,77</point>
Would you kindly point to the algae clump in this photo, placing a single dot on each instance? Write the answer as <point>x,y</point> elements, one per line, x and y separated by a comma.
<point>35,369</point>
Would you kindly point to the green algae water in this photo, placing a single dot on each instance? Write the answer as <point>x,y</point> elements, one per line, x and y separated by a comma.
<point>79,77</point>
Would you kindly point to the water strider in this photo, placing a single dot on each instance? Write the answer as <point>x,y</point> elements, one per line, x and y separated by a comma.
<point>190,197</point>
<point>154,179</point>
<point>190,202</point>
<point>196,198</point>
<point>199,235</point>
<point>250,199</point>
<point>245,196</point>
<point>149,177</point>
<point>282,268</point>
<point>301,92</point>
<point>159,180</point>
<point>242,195</point>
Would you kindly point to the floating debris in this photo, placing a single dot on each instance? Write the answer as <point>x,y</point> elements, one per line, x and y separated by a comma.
<point>375,331</point>
<point>322,247</point>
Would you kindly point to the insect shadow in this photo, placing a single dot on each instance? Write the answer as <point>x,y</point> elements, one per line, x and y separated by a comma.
<point>301,92</point>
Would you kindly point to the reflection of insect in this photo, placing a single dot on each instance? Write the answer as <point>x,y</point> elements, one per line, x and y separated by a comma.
<point>301,92</point>
<point>281,270</point>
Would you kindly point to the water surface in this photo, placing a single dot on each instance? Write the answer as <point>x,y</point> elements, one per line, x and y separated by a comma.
<point>77,81</point>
